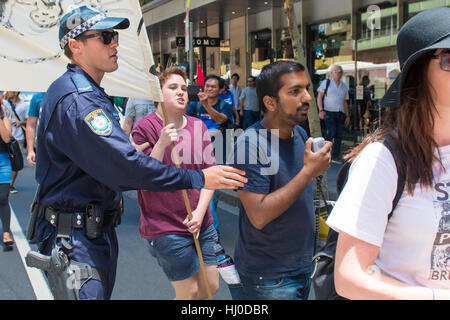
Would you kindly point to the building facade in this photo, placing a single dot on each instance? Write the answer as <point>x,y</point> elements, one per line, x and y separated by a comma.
<point>360,35</point>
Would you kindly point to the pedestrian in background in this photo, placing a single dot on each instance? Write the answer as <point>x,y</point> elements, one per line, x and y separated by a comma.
<point>275,242</point>
<point>407,256</point>
<point>248,102</point>
<point>227,96</point>
<point>135,110</point>
<point>164,217</point>
<point>32,120</point>
<point>236,91</point>
<point>5,179</point>
<point>16,109</point>
<point>215,113</point>
<point>333,109</point>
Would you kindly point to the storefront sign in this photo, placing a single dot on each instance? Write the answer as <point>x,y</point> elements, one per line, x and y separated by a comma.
<point>200,42</point>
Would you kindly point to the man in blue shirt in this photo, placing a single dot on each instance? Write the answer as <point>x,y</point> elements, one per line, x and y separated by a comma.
<point>85,160</point>
<point>248,101</point>
<point>274,248</point>
<point>209,109</point>
<point>236,91</point>
<point>227,96</point>
<point>215,113</point>
<point>32,120</point>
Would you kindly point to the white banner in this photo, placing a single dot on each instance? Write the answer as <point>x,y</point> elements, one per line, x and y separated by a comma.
<point>31,59</point>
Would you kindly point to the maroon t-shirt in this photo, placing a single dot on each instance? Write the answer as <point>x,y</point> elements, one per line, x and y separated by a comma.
<point>164,212</point>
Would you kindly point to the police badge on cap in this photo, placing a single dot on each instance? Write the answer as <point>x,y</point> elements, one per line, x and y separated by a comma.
<point>86,18</point>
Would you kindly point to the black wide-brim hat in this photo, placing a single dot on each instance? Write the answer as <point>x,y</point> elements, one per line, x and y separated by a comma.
<point>85,18</point>
<point>427,31</point>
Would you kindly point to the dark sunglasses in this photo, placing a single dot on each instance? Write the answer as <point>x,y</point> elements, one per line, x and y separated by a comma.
<point>107,36</point>
<point>444,59</point>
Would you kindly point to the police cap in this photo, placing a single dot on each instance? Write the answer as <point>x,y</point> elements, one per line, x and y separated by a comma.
<point>86,18</point>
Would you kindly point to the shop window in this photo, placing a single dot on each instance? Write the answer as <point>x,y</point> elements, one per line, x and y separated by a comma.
<point>418,6</point>
<point>286,50</point>
<point>261,49</point>
<point>329,44</point>
<point>224,57</point>
<point>371,36</point>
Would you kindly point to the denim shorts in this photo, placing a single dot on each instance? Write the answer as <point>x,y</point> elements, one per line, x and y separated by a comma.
<point>177,255</point>
<point>284,288</point>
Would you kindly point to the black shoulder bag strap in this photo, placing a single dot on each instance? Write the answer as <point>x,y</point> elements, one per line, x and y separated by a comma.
<point>13,107</point>
<point>325,93</point>
<point>396,152</point>
<point>326,87</point>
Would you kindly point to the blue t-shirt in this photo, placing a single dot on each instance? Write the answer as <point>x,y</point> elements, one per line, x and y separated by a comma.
<point>285,245</point>
<point>35,104</point>
<point>195,109</point>
<point>227,97</point>
<point>251,99</point>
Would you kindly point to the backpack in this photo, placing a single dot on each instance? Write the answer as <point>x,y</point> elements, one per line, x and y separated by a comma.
<point>322,278</point>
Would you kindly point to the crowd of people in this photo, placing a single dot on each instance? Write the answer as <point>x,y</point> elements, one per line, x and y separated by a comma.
<point>177,145</point>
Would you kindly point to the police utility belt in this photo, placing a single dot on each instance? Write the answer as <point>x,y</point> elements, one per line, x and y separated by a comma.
<point>93,220</point>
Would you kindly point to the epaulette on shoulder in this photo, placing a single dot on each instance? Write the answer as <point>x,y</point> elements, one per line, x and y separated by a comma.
<point>81,83</point>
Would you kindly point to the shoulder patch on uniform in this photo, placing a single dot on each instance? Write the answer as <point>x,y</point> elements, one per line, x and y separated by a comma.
<point>99,122</point>
<point>82,84</point>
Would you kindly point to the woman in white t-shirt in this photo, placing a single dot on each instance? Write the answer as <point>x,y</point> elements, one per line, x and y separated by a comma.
<point>407,257</point>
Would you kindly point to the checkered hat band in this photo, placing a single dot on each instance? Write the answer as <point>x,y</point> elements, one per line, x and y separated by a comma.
<point>85,26</point>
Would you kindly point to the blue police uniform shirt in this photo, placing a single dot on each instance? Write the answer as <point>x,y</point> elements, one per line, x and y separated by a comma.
<point>83,155</point>
<point>284,247</point>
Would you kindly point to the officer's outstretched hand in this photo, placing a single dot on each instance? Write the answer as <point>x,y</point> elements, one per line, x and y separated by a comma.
<point>223,177</point>
<point>316,163</point>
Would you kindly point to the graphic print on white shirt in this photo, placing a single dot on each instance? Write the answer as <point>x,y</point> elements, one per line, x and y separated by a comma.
<point>440,254</point>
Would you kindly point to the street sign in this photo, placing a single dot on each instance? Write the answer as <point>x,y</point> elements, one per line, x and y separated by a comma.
<point>199,42</point>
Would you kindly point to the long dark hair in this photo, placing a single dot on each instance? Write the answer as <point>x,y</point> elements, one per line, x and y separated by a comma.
<point>411,127</point>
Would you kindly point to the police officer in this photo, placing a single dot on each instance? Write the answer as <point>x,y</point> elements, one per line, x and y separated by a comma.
<point>84,160</point>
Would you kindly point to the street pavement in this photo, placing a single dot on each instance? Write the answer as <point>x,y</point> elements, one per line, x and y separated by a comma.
<point>139,277</point>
